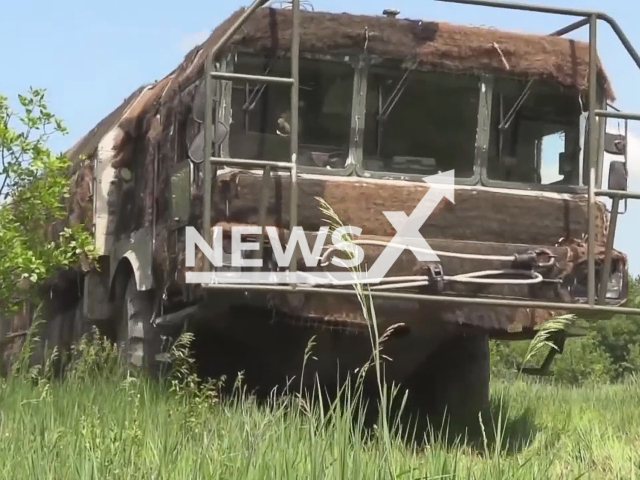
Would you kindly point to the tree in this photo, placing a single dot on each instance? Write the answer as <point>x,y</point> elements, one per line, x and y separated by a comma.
<point>619,337</point>
<point>34,188</point>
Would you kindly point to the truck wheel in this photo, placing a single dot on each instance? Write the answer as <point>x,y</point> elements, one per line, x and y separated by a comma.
<point>452,385</point>
<point>138,340</point>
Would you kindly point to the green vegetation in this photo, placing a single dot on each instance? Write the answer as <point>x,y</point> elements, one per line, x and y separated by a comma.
<point>101,423</point>
<point>34,188</point>
<point>610,351</point>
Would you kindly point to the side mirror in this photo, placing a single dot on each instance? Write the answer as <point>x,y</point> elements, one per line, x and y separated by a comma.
<point>617,176</point>
<point>615,144</point>
<point>196,149</point>
<point>566,163</point>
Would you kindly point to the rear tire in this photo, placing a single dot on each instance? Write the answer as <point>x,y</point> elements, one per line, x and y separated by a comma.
<point>139,341</point>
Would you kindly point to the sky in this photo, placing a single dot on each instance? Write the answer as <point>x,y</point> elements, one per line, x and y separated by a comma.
<point>91,55</point>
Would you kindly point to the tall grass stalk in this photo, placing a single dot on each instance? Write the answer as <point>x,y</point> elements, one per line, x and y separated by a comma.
<point>368,311</point>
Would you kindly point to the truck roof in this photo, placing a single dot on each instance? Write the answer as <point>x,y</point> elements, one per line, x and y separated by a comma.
<point>437,46</point>
<point>434,45</point>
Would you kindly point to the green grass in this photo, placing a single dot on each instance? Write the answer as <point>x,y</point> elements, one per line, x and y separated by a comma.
<point>99,423</point>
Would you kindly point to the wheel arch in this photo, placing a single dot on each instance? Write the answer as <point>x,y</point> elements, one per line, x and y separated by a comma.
<point>135,254</point>
<point>130,265</point>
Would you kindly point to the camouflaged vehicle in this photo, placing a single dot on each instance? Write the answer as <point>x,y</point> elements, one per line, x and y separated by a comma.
<point>282,106</point>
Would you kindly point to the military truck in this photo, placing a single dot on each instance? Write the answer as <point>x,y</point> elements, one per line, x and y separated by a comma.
<point>504,132</point>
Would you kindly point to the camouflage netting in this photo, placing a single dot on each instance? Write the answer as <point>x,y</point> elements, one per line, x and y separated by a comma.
<point>148,120</point>
<point>438,45</point>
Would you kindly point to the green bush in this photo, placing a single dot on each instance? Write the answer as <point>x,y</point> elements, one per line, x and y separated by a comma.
<point>610,352</point>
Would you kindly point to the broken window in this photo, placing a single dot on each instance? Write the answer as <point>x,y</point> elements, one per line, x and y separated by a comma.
<point>535,134</point>
<point>421,123</point>
<point>261,119</point>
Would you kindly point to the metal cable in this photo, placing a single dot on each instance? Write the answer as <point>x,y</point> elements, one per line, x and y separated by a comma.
<point>468,256</point>
<point>401,285</point>
<point>472,277</point>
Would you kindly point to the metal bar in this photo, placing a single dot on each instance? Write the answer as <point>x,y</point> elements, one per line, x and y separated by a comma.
<point>618,115</point>
<point>176,318</point>
<point>602,130</point>
<point>506,122</point>
<point>623,38</point>
<point>208,118</point>
<point>396,94</point>
<point>618,194</point>
<point>225,116</point>
<point>525,7</point>
<point>262,214</point>
<point>483,131</point>
<point>295,100</point>
<point>235,27</point>
<point>360,82</point>
<point>558,11</point>
<point>241,162</point>
<point>257,92</point>
<point>251,78</point>
<point>604,277</point>
<point>527,90</point>
<point>570,28</point>
<point>626,159</point>
<point>489,302</point>
<point>593,159</point>
<point>207,168</point>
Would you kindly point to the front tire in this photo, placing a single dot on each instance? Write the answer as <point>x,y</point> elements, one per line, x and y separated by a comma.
<point>139,341</point>
<point>452,385</point>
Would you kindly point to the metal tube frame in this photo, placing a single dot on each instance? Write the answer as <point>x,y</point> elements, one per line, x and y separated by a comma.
<point>208,114</point>
<point>593,159</point>
<point>617,115</point>
<point>240,162</point>
<point>211,158</point>
<point>295,93</point>
<point>416,297</point>
<point>254,78</point>
<point>589,18</point>
<point>606,267</point>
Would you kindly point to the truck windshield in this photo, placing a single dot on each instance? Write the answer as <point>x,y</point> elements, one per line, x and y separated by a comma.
<point>421,123</point>
<point>261,113</point>
<point>539,143</point>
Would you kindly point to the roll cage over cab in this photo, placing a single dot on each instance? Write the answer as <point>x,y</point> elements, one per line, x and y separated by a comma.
<point>517,122</point>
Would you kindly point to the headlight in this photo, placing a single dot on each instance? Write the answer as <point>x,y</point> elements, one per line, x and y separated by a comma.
<point>576,284</point>
<point>614,286</point>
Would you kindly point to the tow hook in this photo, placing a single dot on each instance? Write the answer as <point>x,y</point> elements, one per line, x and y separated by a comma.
<point>537,259</point>
<point>435,276</point>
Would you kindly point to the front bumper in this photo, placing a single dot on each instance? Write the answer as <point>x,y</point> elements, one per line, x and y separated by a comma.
<point>563,281</point>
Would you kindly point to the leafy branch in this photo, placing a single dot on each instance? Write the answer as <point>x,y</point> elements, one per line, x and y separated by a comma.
<point>34,189</point>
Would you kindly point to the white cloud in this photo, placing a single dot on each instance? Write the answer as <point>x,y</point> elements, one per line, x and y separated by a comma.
<point>190,40</point>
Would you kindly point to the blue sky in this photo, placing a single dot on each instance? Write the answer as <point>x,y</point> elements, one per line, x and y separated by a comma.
<point>91,55</point>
